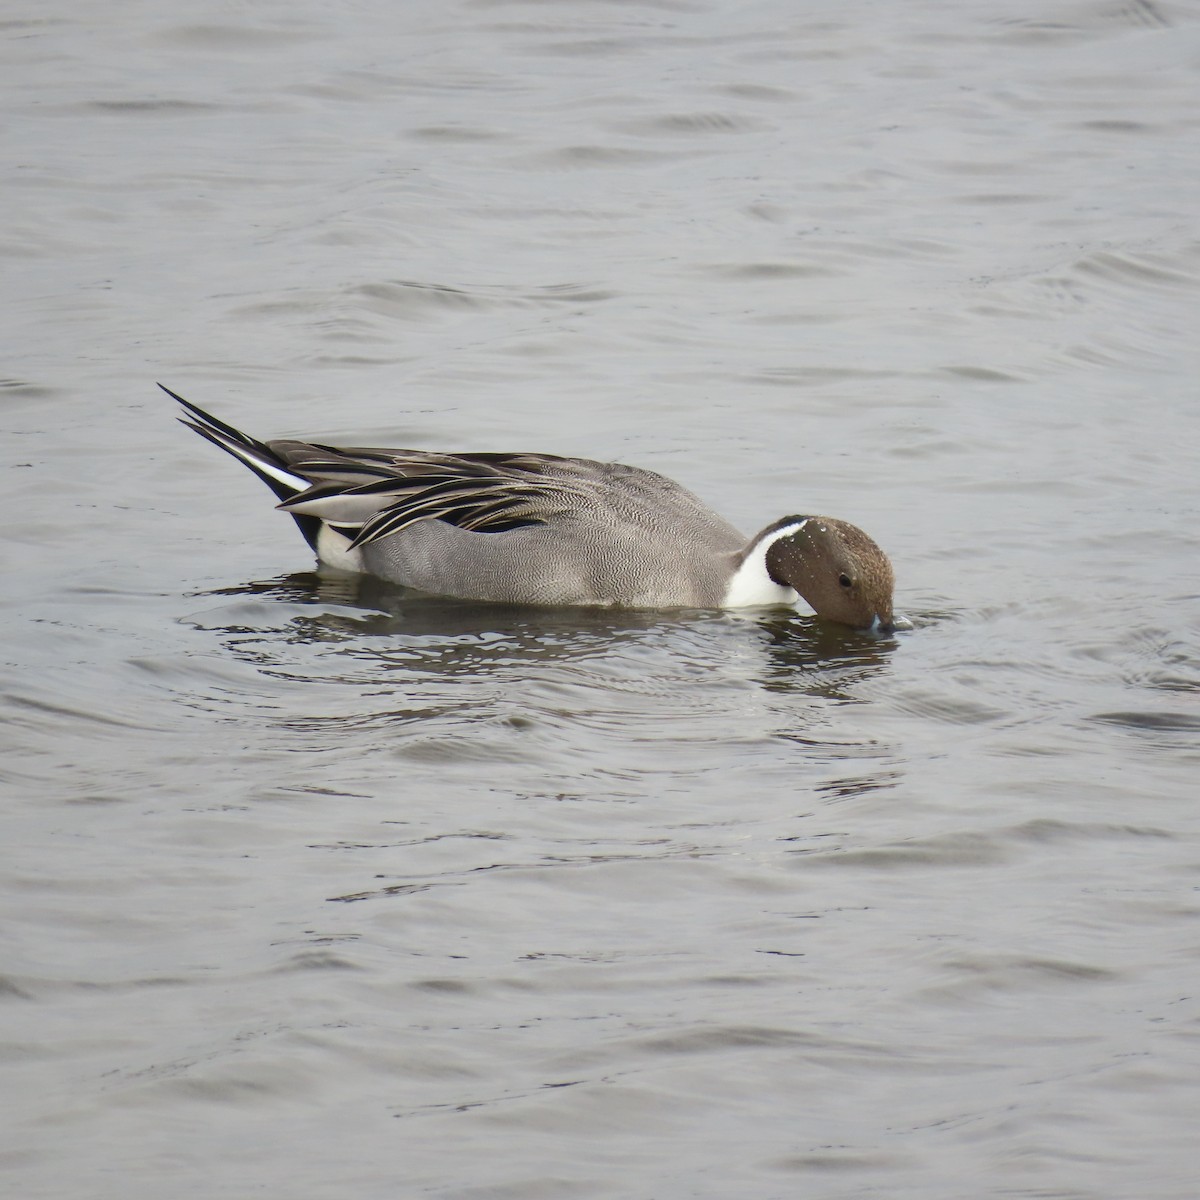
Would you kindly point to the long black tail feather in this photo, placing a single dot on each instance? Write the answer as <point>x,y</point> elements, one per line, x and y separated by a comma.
<point>221,434</point>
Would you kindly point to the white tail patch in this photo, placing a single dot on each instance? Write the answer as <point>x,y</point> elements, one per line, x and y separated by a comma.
<point>333,549</point>
<point>751,586</point>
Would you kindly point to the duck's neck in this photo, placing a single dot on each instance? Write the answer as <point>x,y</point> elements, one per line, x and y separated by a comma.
<point>751,584</point>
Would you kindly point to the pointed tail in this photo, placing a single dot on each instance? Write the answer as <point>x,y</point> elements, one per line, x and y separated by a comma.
<point>256,455</point>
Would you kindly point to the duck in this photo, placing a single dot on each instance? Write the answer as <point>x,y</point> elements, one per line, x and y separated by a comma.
<point>539,529</point>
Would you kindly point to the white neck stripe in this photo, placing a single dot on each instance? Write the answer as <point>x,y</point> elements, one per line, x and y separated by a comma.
<point>751,585</point>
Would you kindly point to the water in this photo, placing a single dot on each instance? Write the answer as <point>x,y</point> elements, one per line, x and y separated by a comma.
<point>315,890</point>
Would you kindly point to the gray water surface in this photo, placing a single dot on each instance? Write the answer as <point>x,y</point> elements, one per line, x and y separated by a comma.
<point>312,889</point>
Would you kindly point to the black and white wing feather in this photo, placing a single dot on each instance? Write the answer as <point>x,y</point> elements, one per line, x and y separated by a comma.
<point>368,493</point>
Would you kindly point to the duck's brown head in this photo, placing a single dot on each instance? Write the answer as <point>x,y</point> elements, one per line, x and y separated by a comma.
<point>838,569</point>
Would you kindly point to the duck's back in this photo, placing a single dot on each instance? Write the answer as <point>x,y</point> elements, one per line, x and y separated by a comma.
<point>604,533</point>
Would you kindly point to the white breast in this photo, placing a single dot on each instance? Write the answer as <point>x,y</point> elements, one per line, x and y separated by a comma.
<point>751,585</point>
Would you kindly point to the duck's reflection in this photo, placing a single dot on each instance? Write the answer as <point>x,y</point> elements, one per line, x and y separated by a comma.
<point>377,622</point>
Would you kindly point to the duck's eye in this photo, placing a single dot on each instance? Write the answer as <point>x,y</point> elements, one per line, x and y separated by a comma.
<point>845,581</point>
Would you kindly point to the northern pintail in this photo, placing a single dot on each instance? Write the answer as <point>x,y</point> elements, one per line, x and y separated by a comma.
<point>539,529</point>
